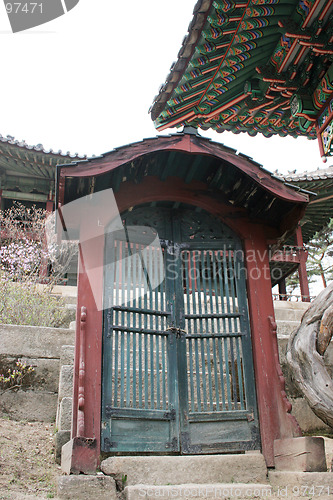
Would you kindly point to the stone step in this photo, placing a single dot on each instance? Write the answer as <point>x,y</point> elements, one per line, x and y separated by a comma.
<point>180,470</point>
<point>286,328</point>
<point>202,491</point>
<point>300,483</point>
<point>289,311</point>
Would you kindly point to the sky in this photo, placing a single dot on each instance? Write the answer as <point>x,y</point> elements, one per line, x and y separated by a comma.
<point>84,82</point>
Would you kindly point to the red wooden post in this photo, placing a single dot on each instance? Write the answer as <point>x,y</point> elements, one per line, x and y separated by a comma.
<point>282,289</point>
<point>82,373</point>
<point>49,205</point>
<point>43,273</point>
<point>274,417</point>
<point>302,273</point>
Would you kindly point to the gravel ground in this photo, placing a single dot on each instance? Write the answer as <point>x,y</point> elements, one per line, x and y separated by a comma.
<point>27,466</point>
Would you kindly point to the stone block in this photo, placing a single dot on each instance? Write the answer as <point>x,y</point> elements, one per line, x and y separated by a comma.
<point>61,438</point>
<point>45,376</point>
<point>293,482</point>
<point>34,406</point>
<point>307,420</point>
<point>64,420</point>
<point>289,311</point>
<point>204,469</point>
<point>97,487</point>
<point>328,450</point>
<point>34,341</point>
<point>286,328</point>
<point>79,455</point>
<point>66,382</point>
<point>67,355</point>
<point>304,454</point>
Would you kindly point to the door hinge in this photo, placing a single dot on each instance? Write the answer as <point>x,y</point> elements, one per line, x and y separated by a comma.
<point>250,417</point>
<point>109,445</point>
<point>172,445</point>
<point>170,415</point>
<point>109,412</point>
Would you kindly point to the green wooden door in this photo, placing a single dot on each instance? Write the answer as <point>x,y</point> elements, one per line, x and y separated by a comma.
<point>177,358</point>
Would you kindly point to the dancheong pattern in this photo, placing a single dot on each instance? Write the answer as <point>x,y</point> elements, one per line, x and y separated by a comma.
<point>242,63</point>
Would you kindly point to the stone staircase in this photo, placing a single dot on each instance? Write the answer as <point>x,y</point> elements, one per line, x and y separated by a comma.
<point>205,477</point>
<point>187,477</point>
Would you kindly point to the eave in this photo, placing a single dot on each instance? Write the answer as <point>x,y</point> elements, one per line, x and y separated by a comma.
<point>235,179</point>
<point>243,63</point>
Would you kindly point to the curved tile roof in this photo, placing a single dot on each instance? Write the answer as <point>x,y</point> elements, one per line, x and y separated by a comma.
<point>243,61</point>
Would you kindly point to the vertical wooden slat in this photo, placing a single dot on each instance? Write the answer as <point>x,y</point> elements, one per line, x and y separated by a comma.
<point>193,309</point>
<point>140,380</point>
<point>240,292</point>
<point>203,374</point>
<point>122,367</point>
<point>197,372</point>
<point>233,374</point>
<point>204,287</point>
<point>158,395</point>
<point>219,341</point>
<point>188,325</point>
<point>116,320</point>
<point>240,374</point>
<point>128,369</point>
<point>221,285</point>
<point>164,372</point>
<point>227,372</point>
<point>201,329</point>
<point>145,326</point>
<point>209,372</point>
<point>191,381</point>
<point>216,377</point>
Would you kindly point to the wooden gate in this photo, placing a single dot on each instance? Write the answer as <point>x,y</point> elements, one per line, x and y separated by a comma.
<point>177,358</point>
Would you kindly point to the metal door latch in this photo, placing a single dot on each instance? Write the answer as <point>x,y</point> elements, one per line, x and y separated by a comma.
<point>178,331</point>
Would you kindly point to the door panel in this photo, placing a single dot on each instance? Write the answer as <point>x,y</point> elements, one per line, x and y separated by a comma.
<point>219,380</point>
<point>139,383</point>
<point>177,360</point>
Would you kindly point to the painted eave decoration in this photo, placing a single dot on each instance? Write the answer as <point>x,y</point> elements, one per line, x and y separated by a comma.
<point>254,66</point>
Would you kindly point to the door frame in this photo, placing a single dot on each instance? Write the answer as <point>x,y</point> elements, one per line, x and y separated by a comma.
<point>179,416</point>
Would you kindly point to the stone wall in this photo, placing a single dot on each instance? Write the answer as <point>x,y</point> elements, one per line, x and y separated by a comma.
<point>41,348</point>
<point>50,351</point>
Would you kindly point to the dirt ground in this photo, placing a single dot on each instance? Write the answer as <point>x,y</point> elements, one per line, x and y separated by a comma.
<point>27,467</point>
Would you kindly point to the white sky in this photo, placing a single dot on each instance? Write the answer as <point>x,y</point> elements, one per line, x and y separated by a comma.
<point>85,81</point>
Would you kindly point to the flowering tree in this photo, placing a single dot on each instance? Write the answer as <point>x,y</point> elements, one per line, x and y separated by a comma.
<point>26,261</point>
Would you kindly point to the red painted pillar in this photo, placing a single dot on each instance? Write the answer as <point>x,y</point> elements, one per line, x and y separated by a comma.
<point>302,273</point>
<point>274,409</point>
<point>43,272</point>
<point>282,289</point>
<point>81,453</point>
<point>49,205</point>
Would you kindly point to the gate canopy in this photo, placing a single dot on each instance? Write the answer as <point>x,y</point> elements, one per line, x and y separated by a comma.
<point>233,179</point>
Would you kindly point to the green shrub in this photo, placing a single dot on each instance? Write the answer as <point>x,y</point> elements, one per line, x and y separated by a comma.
<point>25,304</point>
